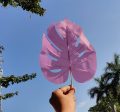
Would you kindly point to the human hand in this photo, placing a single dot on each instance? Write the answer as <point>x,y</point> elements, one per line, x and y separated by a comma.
<point>63,99</point>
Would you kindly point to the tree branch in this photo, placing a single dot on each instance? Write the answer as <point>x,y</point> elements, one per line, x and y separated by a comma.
<point>6,81</point>
<point>8,95</point>
<point>28,5</point>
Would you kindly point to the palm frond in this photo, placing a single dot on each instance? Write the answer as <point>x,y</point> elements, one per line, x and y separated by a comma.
<point>116,59</point>
<point>93,91</point>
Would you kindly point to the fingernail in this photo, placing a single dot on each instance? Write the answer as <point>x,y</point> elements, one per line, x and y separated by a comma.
<point>73,89</point>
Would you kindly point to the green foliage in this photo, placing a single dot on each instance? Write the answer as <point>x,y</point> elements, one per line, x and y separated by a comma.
<point>6,81</point>
<point>99,90</point>
<point>28,5</point>
<point>12,79</point>
<point>105,105</point>
<point>8,95</point>
<point>112,77</point>
<point>118,107</point>
<point>1,48</point>
<point>107,91</point>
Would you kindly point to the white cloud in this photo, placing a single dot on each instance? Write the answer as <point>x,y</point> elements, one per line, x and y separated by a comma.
<point>82,104</point>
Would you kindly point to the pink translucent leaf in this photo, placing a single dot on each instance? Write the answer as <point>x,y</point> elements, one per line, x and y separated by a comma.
<point>66,49</point>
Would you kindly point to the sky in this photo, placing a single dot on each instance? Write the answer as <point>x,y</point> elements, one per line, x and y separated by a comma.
<point>22,36</point>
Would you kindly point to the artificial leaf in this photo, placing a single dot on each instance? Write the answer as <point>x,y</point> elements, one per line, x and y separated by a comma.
<point>65,50</point>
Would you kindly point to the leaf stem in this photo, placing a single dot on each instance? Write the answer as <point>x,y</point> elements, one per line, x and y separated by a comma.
<point>71,80</point>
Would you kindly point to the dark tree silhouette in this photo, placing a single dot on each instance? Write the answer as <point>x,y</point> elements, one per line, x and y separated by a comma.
<point>28,5</point>
<point>108,87</point>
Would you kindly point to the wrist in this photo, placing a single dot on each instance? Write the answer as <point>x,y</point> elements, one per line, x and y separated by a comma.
<point>68,110</point>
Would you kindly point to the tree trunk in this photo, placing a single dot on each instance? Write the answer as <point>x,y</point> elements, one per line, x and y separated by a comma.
<point>113,108</point>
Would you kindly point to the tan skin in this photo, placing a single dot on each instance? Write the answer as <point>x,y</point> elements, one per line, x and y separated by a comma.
<point>63,99</point>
